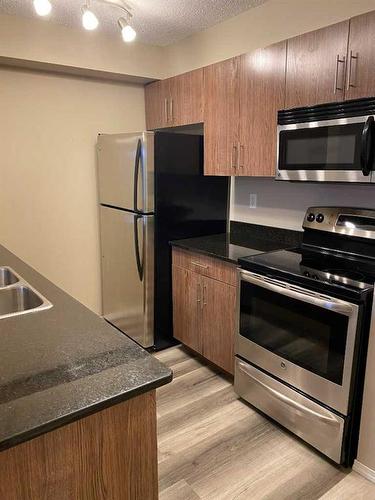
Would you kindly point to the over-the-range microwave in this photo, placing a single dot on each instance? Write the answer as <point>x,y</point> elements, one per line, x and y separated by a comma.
<point>327,143</point>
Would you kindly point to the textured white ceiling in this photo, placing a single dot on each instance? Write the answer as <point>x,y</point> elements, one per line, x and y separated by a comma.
<point>157,22</point>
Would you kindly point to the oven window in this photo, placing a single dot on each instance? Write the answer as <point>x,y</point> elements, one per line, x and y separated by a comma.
<point>304,334</point>
<point>335,147</point>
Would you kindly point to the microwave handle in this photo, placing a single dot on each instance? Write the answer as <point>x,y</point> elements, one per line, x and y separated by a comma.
<point>367,146</point>
<point>298,293</point>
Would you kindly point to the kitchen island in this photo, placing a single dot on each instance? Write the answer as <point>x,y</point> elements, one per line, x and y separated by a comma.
<point>77,403</point>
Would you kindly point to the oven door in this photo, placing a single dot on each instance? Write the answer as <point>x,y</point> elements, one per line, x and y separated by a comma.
<point>340,150</point>
<point>302,337</point>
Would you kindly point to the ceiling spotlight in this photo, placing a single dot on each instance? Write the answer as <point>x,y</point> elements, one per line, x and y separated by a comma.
<point>42,7</point>
<point>89,19</point>
<point>128,33</point>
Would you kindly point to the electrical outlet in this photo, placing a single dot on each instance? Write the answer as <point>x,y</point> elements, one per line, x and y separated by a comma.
<point>253,200</point>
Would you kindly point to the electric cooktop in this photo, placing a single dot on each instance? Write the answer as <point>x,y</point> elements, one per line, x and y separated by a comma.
<point>345,271</point>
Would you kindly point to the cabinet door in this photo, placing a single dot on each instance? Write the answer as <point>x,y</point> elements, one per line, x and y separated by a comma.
<point>157,105</point>
<point>187,304</point>
<point>361,57</point>
<point>221,115</point>
<point>186,103</point>
<point>316,64</point>
<point>262,94</point>
<point>218,324</point>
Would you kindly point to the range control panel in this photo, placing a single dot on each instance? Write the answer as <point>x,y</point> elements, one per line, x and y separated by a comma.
<point>341,220</point>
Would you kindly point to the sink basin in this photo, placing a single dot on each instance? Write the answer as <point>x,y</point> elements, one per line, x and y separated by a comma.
<point>21,299</point>
<point>7,277</point>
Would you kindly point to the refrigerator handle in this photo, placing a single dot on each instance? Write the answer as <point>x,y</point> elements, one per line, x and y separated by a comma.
<point>136,247</point>
<point>136,173</point>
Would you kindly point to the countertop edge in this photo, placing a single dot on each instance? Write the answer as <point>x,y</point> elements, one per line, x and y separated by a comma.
<point>84,412</point>
<point>180,244</point>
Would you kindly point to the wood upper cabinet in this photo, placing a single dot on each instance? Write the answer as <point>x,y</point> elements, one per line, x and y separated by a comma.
<point>186,288</point>
<point>316,64</point>
<point>175,101</point>
<point>221,116</point>
<point>157,104</point>
<point>186,98</point>
<point>204,308</point>
<point>218,322</point>
<point>262,94</point>
<point>361,57</point>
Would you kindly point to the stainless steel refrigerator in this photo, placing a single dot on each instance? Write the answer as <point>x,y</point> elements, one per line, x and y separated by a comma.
<point>151,191</point>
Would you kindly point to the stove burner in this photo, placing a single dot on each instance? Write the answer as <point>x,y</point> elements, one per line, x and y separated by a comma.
<point>346,273</point>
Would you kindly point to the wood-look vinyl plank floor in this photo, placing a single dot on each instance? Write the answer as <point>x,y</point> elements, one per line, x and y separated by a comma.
<point>214,446</point>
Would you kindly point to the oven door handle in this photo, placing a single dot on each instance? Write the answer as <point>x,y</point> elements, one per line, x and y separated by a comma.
<point>298,293</point>
<point>285,399</point>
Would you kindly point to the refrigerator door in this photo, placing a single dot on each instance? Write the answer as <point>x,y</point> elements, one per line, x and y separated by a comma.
<point>126,171</point>
<point>127,244</point>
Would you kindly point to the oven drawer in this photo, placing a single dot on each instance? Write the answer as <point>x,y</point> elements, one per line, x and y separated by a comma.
<point>313,423</point>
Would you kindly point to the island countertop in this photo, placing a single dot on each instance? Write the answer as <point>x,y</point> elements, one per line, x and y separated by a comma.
<point>64,363</point>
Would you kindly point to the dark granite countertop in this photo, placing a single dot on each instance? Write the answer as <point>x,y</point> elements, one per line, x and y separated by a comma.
<point>64,363</point>
<point>242,241</point>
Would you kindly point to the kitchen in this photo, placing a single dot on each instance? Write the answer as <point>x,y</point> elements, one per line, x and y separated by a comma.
<point>61,86</point>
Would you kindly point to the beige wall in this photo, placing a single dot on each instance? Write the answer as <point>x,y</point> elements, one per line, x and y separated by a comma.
<point>48,201</point>
<point>44,41</point>
<point>271,22</point>
<point>283,204</point>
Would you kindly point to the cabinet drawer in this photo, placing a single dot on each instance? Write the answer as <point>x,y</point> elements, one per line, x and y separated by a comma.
<point>205,265</point>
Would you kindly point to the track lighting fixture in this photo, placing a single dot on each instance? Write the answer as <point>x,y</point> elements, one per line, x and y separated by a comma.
<point>89,19</point>
<point>128,33</point>
<point>42,7</point>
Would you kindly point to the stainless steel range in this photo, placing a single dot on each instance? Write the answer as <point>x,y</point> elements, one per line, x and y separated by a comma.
<point>303,327</point>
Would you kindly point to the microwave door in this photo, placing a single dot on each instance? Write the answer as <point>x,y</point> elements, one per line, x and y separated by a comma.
<point>339,150</point>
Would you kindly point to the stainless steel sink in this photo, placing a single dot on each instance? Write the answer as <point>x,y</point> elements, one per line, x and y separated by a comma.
<point>17,296</point>
<point>7,277</point>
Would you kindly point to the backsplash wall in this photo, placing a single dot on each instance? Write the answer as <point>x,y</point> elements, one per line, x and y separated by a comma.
<point>283,204</point>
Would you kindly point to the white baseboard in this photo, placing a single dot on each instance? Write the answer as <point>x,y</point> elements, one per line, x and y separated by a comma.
<point>364,471</point>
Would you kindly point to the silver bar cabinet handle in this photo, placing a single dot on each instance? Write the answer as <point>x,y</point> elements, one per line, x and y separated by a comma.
<point>171,109</point>
<point>242,154</point>
<point>166,109</point>
<point>199,265</point>
<point>234,159</point>
<point>204,295</point>
<point>349,81</point>
<point>338,62</point>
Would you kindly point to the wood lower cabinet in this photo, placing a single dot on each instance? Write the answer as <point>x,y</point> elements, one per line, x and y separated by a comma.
<point>221,116</point>
<point>218,322</point>
<point>187,307</point>
<point>361,57</point>
<point>262,94</point>
<point>316,65</point>
<point>204,308</point>
<point>111,454</point>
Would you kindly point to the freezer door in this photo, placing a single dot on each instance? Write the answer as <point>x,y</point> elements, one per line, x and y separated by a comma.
<point>126,171</point>
<point>127,243</point>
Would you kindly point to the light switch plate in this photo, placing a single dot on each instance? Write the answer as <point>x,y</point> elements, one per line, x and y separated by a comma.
<point>253,200</point>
